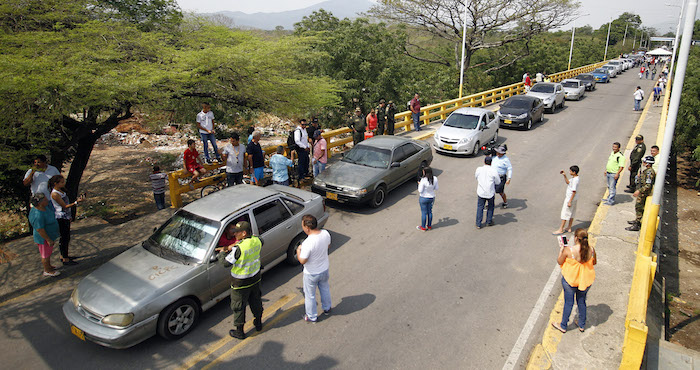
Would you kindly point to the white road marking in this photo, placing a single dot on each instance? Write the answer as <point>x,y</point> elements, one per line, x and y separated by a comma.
<point>530,323</point>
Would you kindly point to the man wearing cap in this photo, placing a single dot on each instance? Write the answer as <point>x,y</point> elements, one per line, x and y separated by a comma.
<point>357,124</point>
<point>645,185</point>
<point>505,171</point>
<point>244,260</point>
<point>381,116</point>
<point>636,161</point>
<point>390,117</point>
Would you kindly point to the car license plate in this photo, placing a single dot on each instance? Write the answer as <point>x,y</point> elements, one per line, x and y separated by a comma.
<point>78,333</point>
<point>447,146</point>
<point>332,196</point>
<point>507,121</point>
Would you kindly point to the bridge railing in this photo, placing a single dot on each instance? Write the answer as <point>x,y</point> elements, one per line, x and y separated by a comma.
<point>404,122</point>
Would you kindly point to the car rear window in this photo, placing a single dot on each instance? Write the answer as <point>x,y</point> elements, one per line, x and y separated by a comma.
<point>543,88</point>
<point>570,84</point>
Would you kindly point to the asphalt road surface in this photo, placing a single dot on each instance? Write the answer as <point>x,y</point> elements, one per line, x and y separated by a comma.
<point>454,297</point>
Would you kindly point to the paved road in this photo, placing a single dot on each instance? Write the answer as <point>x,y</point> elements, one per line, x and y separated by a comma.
<point>455,297</point>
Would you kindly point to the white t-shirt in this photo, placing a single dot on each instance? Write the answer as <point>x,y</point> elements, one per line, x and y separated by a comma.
<point>638,94</point>
<point>315,249</point>
<point>425,189</point>
<point>487,178</point>
<point>206,120</point>
<point>571,188</point>
<point>235,159</point>
<point>301,137</point>
<point>40,180</point>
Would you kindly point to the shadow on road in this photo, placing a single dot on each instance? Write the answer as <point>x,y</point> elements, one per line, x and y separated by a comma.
<point>598,314</point>
<point>445,222</point>
<point>271,356</point>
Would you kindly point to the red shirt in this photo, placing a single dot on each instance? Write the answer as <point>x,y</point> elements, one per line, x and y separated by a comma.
<point>371,122</point>
<point>415,105</point>
<point>528,82</point>
<point>190,158</point>
<point>224,241</point>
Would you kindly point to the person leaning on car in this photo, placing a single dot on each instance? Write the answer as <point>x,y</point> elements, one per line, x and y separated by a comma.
<point>244,260</point>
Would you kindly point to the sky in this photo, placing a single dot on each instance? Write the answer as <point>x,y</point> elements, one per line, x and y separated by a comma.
<point>654,13</point>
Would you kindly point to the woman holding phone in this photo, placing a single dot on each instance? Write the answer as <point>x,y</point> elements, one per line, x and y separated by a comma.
<point>577,271</point>
<point>427,187</point>
<point>61,204</point>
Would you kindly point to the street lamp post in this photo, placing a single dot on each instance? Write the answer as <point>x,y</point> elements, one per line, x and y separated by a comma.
<point>635,39</point>
<point>464,40</point>
<point>675,40</point>
<point>571,48</point>
<point>624,38</point>
<point>605,56</point>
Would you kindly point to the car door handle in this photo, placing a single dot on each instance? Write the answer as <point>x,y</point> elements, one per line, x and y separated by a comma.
<point>288,227</point>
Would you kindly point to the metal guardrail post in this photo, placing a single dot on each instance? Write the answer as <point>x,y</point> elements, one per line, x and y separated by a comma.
<point>175,196</point>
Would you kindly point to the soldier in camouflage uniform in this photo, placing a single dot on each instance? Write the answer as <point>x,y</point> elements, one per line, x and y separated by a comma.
<point>390,119</point>
<point>645,185</point>
<point>357,124</point>
<point>381,117</point>
<point>636,161</point>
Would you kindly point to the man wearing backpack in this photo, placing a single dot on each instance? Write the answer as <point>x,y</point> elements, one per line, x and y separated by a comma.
<point>301,139</point>
<point>638,97</point>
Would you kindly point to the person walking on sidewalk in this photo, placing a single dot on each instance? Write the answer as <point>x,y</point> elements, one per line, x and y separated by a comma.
<point>568,209</point>
<point>414,104</point>
<point>244,260</point>
<point>638,97</point>
<point>645,186</point>
<point>653,73</point>
<point>657,94</point>
<point>43,221</point>
<point>578,274</point>
<point>505,171</point>
<point>486,180</point>
<point>427,186</point>
<point>615,165</point>
<point>636,162</point>
<point>313,254</point>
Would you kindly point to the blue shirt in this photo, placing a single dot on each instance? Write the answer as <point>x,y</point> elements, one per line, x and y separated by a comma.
<point>279,164</point>
<point>43,220</point>
<point>502,166</point>
<point>657,91</point>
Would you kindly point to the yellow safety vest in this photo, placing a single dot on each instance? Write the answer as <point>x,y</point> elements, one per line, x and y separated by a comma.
<point>248,264</point>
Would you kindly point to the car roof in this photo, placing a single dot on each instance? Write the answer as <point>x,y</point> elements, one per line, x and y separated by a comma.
<point>219,205</point>
<point>472,111</point>
<point>523,97</point>
<point>385,141</point>
<point>547,83</point>
<point>571,80</point>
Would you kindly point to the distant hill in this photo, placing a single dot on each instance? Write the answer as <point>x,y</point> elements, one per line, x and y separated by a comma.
<point>268,21</point>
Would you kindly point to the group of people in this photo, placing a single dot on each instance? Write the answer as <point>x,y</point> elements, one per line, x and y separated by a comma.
<point>539,77</point>
<point>51,212</point>
<point>379,121</point>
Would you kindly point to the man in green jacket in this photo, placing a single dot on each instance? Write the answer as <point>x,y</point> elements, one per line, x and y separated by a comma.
<point>645,186</point>
<point>357,124</point>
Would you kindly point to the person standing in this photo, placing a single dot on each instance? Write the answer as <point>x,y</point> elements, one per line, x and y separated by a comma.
<point>653,73</point>
<point>415,111</point>
<point>301,139</point>
<point>636,161</point>
<point>357,124</point>
<point>244,260</point>
<point>279,164</point>
<point>255,159</point>
<point>192,162</point>
<point>372,121</point>
<point>311,128</point>
<point>427,187</point>
<point>390,117</point>
<point>313,254</point>
<point>205,124</point>
<point>234,156</point>
<point>645,186</point>
<point>539,77</point>
<point>486,180</point>
<point>250,131</point>
<point>43,221</point>
<point>638,97</point>
<point>37,177</point>
<point>654,153</point>
<point>381,117</point>
<point>641,72</point>
<point>62,212</point>
<point>320,153</point>
<point>646,73</point>
<point>158,185</point>
<point>568,209</point>
<point>657,94</point>
<point>578,274</point>
<point>615,165</point>
<point>505,171</point>
<point>528,82</point>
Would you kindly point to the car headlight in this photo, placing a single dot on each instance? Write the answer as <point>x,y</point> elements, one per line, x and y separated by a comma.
<point>465,140</point>
<point>436,136</point>
<point>118,319</point>
<point>318,182</point>
<point>522,116</point>
<point>74,298</point>
<point>357,191</point>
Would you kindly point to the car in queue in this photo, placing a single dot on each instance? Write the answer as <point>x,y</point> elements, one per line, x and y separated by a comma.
<point>521,111</point>
<point>551,94</point>
<point>618,64</point>
<point>588,80</point>
<point>372,168</point>
<point>465,130</point>
<point>162,286</point>
<point>601,75</point>
<point>612,70</point>
<point>573,89</point>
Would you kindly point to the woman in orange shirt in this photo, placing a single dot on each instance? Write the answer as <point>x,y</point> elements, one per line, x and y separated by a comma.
<point>372,121</point>
<point>577,271</point>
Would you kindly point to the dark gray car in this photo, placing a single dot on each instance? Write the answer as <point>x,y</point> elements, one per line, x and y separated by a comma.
<point>373,168</point>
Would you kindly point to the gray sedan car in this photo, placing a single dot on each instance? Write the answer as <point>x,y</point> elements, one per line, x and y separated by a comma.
<point>573,89</point>
<point>163,284</point>
<point>551,94</point>
<point>373,168</point>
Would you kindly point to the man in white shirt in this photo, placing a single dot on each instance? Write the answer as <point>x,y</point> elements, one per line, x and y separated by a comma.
<point>234,156</point>
<point>301,138</point>
<point>313,254</point>
<point>37,177</point>
<point>568,209</point>
<point>205,124</point>
<point>486,178</point>
<point>638,97</point>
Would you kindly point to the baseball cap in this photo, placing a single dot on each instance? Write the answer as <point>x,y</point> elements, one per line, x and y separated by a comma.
<point>501,150</point>
<point>639,137</point>
<point>242,226</point>
<point>648,159</point>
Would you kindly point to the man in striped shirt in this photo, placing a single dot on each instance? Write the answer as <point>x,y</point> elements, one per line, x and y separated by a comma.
<point>158,185</point>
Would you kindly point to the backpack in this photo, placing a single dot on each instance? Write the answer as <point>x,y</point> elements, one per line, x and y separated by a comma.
<point>291,143</point>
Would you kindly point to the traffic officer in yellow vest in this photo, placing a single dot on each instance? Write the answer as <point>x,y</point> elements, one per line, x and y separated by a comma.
<point>244,259</point>
<point>645,185</point>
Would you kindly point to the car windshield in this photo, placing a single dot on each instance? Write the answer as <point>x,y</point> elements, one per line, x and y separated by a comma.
<point>184,237</point>
<point>543,88</point>
<point>369,156</point>
<point>608,67</point>
<point>599,71</point>
<point>570,84</point>
<point>517,104</point>
<point>464,121</point>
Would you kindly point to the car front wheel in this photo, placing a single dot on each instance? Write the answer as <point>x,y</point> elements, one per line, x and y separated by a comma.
<point>178,319</point>
<point>475,151</point>
<point>379,197</point>
<point>529,124</point>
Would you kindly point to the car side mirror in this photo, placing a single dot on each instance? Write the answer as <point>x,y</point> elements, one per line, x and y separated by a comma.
<point>395,165</point>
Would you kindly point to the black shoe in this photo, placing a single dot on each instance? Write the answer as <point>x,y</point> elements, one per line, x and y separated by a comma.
<point>632,222</point>
<point>69,263</point>
<point>634,227</point>
<point>628,190</point>
<point>504,205</point>
<point>327,312</point>
<point>490,223</point>
<point>238,333</point>
<point>258,324</point>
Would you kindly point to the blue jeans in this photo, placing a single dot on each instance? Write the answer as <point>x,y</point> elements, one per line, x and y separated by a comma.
<point>480,210</point>
<point>160,200</point>
<point>310,284</point>
<point>636,104</point>
<point>206,138</point>
<point>416,121</point>
<point>426,211</point>
<point>318,168</point>
<point>612,185</point>
<point>285,182</point>
<point>569,293</point>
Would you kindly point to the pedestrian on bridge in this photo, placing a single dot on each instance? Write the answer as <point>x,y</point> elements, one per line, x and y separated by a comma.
<point>568,209</point>
<point>578,274</point>
<point>486,180</point>
<point>615,165</point>
<point>657,94</point>
<point>357,124</point>
<point>645,186</point>
<point>414,104</point>
<point>636,157</point>
<point>427,187</point>
<point>313,254</point>
<point>234,156</point>
<point>505,171</point>
<point>653,72</point>
<point>638,97</point>
<point>390,117</point>
<point>381,117</point>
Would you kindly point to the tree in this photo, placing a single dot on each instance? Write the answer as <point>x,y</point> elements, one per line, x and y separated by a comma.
<point>688,122</point>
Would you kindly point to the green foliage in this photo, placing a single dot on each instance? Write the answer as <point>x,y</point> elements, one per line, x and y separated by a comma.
<point>688,122</point>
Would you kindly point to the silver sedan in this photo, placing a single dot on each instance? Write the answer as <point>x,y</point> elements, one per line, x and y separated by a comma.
<point>573,89</point>
<point>162,285</point>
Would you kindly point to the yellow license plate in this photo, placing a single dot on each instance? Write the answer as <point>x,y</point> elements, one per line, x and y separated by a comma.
<point>507,121</point>
<point>332,196</point>
<point>78,333</point>
<point>448,147</point>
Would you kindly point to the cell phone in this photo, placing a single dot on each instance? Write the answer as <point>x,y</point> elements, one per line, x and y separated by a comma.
<point>563,240</point>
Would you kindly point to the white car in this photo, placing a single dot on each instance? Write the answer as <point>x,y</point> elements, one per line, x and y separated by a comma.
<point>617,64</point>
<point>465,130</point>
<point>612,69</point>
<point>551,93</point>
<point>573,89</point>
